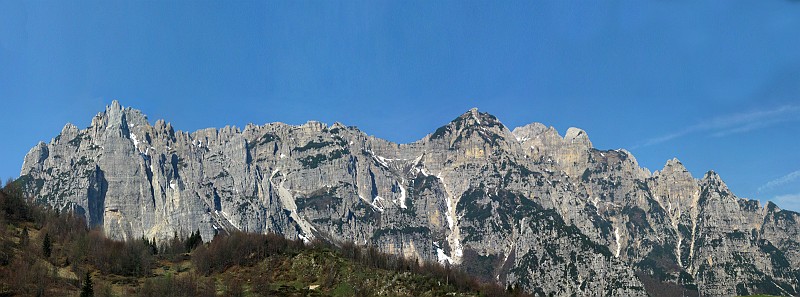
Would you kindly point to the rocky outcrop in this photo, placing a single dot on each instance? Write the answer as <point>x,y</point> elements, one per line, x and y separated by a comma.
<point>530,208</point>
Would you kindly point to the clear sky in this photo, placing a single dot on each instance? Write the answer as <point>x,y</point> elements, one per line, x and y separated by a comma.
<point>714,83</point>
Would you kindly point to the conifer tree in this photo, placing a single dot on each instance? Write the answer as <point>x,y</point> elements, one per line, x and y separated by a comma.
<point>47,246</point>
<point>87,290</point>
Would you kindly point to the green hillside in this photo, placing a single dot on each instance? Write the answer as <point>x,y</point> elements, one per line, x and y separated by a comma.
<point>44,253</point>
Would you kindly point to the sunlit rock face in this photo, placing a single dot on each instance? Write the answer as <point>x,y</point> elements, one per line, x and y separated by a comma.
<point>531,208</point>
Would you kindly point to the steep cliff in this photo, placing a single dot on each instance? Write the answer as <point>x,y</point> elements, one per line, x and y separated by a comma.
<point>528,207</point>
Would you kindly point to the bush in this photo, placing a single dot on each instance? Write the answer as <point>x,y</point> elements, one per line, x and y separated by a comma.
<point>239,248</point>
<point>189,285</point>
<point>132,258</point>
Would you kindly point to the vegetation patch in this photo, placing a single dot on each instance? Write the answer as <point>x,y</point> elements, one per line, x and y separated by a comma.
<point>315,161</point>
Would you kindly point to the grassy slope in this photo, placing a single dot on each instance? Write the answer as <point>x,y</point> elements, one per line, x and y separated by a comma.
<point>294,270</point>
<point>309,272</point>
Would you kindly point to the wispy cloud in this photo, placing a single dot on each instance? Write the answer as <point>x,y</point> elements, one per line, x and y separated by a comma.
<point>733,124</point>
<point>790,201</point>
<point>783,180</point>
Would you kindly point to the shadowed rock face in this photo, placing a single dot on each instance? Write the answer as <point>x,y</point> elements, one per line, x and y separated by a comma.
<point>529,207</point>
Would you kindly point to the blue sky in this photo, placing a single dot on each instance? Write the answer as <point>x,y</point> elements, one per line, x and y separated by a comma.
<point>713,83</point>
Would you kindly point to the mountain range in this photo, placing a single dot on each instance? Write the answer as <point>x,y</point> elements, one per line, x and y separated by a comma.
<point>523,207</point>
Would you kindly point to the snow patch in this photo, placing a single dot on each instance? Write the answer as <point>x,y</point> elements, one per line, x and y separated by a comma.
<point>616,237</point>
<point>449,217</point>
<point>442,257</point>
<point>416,161</point>
<point>173,185</point>
<point>135,141</point>
<point>381,160</point>
<point>377,203</point>
<point>305,239</point>
<point>283,155</point>
<point>402,195</point>
<point>454,238</point>
<point>374,202</point>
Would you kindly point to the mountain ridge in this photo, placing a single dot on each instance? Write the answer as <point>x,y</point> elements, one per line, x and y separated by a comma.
<point>520,206</point>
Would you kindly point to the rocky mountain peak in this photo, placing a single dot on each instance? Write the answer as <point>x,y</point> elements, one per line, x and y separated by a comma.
<point>338,125</point>
<point>115,107</point>
<point>534,131</point>
<point>577,135</point>
<point>674,167</point>
<point>474,117</point>
<point>163,128</point>
<point>713,180</point>
<point>675,163</point>
<point>116,120</point>
<point>314,126</point>
<point>474,111</point>
<point>470,125</point>
<point>69,131</point>
<point>36,156</point>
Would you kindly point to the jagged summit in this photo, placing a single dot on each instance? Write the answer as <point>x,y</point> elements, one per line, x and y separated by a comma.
<point>673,167</point>
<point>527,208</point>
<point>473,117</point>
<point>711,178</point>
<point>472,124</point>
<point>574,135</point>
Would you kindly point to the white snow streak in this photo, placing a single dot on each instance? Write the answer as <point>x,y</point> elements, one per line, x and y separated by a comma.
<point>449,217</point>
<point>135,141</point>
<point>616,237</point>
<point>373,202</point>
<point>381,160</point>
<point>442,257</point>
<point>402,196</point>
<point>454,238</point>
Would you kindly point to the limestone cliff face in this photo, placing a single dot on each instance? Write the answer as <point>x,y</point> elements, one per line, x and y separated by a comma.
<point>528,207</point>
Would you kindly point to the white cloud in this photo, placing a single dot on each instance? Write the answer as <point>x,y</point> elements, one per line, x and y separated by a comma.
<point>783,180</point>
<point>722,126</point>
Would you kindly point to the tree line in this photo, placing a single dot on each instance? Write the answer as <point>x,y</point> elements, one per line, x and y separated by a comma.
<point>31,233</point>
